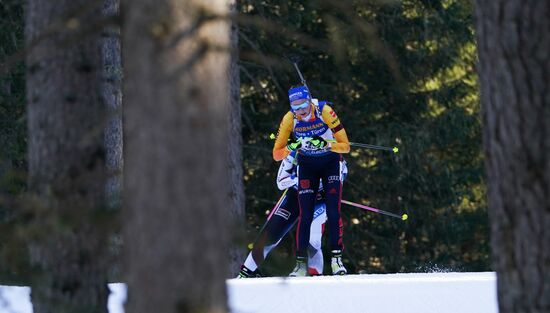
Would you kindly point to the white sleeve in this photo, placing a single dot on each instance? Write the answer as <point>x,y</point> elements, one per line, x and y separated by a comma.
<point>286,177</point>
<point>343,170</point>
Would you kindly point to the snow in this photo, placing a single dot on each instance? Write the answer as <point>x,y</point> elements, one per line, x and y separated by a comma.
<point>382,293</point>
<point>387,293</point>
<point>18,299</point>
<point>15,299</point>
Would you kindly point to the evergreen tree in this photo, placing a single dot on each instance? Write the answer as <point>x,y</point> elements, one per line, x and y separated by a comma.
<point>399,74</point>
<point>66,157</point>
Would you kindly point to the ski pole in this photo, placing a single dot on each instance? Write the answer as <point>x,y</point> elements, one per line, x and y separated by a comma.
<point>355,144</point>
<point>294,61</point>
<point>368,146</point>
<point>403,217</point>
<point>251,245</point>
<point>375,147</point>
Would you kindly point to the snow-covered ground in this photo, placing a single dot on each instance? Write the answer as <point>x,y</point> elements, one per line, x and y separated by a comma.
<point>390,293</point>
<point>18,300</point>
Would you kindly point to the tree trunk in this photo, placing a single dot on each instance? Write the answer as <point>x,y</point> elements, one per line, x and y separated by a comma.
<point>112,96</point>
<point>235,157</point>
<point>176,99</point>
<point>66,157</point>
<point>514,44</point>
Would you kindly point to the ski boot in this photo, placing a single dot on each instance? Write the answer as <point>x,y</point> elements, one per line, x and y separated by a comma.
<point>300,270</point>
<point>248,273</point>
<point>311,271</point>
<point>336,263</point>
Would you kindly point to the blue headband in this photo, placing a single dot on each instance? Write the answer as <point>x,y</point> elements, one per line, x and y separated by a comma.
<point>298,93</point>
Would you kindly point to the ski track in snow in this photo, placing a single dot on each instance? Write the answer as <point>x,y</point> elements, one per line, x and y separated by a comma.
<point>378,293</point>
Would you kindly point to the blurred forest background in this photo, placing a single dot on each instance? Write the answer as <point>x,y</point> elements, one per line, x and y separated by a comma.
<point>399,73</point>
<point>13,142</point>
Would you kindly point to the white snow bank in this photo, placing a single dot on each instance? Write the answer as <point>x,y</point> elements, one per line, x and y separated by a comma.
<point>18,299</point>
<point>15,299</point>
<point>389,293</point>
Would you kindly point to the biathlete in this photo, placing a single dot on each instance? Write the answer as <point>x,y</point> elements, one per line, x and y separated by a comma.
<point>282,218</point>
<point>320,141</point>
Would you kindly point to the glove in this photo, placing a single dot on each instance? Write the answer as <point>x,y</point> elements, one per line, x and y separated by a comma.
<point>318,142</point>
<point>294,145</point>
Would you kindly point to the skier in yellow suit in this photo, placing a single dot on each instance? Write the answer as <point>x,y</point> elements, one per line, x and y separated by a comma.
<point>320,140</point>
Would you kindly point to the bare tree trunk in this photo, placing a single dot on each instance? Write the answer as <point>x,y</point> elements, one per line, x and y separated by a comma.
<point>514,44</point>
<point>66,157</point>
<point>176,98</point>
<point>112,96</point>
<point>235,157</point>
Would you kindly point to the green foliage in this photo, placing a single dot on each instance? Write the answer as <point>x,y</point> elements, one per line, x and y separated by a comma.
<point>400,73</point>
<point>13,145</point>
<point>12,89</point>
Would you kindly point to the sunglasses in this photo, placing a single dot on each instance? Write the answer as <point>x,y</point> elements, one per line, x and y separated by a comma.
<point>303,105</point>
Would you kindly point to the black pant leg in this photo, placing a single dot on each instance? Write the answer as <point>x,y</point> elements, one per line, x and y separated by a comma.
<point>308,184</point>
<point>333,195</point>
<point>278,225</point>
